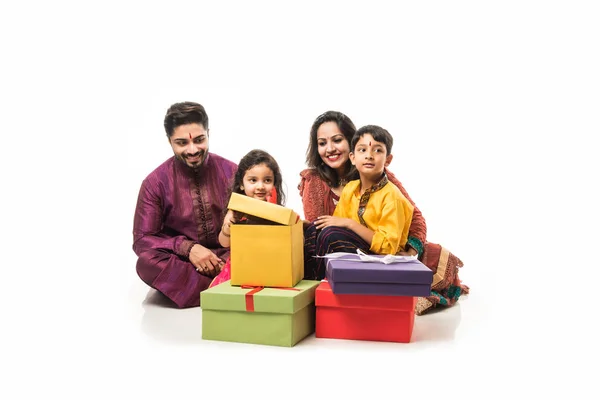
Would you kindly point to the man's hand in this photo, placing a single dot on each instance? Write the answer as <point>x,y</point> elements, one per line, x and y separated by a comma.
<point>205,261</point>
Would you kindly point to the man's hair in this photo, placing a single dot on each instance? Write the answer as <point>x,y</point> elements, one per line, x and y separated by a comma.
<point>185,113</point>
<point>313,159</point>
<point>379,135</point>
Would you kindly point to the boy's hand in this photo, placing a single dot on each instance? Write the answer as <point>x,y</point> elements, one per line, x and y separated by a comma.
<point>328,220</point>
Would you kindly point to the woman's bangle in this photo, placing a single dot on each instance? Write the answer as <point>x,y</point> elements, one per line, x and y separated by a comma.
<point>415,244</point>
<point>225,234</point>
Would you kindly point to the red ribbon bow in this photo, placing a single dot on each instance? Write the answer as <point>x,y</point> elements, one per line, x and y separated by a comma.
<point>255,289</point>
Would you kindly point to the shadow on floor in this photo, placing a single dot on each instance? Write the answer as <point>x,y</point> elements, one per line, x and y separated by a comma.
<point>163,321</point>
<point>437,325</point>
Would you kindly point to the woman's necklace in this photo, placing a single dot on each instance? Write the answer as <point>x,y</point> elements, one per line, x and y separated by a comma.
<point>338,189</point>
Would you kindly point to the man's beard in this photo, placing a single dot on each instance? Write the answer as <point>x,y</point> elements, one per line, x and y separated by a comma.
<point>201,156</point>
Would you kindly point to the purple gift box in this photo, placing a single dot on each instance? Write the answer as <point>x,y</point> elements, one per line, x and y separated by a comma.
<point>410,278</point>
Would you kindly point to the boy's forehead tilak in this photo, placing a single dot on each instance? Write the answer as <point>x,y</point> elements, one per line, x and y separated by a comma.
<point>370,143</point>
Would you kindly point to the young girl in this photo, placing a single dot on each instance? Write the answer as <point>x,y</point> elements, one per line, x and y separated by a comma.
<point>257,176</point>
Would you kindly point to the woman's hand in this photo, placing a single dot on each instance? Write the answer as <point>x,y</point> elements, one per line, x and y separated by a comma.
<point>409,252</point>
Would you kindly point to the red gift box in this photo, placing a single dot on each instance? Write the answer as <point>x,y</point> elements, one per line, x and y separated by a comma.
<point>363,317</point>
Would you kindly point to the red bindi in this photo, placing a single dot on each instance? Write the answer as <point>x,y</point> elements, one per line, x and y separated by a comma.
<point>190,135</point>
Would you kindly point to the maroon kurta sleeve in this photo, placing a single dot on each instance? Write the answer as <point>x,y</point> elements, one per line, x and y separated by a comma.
<point>313,192</point>
<point>148,223</point>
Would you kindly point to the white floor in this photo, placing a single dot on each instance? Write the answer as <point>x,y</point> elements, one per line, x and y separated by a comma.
<point>442,347</point>
<point>108,335</point>
<point>161,322</point>
<point>490,345</point>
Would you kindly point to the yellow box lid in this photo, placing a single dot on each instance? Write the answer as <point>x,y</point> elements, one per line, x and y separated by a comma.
<point>263,209</point>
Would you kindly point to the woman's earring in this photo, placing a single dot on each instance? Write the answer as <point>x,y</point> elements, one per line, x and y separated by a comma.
<point>241,188</point>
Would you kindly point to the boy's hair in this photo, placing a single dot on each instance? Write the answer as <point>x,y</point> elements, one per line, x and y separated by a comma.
<point>379,135</point>
<point>253,158</point>
<point>185,113</point>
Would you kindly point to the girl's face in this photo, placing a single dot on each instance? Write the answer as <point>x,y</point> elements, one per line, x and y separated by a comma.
<point>332,145</point>
<point>258,182</point>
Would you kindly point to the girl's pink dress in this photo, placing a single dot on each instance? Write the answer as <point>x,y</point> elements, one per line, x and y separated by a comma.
<point>224,275</point>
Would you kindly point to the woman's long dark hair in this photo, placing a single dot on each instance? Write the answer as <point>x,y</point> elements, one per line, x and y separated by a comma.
<point>313,159</point>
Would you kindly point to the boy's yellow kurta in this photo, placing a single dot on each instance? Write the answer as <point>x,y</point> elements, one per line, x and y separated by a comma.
<point>388,213</point>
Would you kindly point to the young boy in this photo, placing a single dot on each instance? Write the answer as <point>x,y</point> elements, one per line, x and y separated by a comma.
<point>371,215</point>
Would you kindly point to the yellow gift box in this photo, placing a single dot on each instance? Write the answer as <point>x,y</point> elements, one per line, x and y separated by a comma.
<point>270,255</point>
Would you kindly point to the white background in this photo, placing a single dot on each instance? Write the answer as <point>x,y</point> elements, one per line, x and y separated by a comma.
<point>493,107</point>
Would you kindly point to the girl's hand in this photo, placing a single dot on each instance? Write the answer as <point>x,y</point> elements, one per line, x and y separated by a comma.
<point>328,220</point>
<point>230,218</point>
<point>226,228</point>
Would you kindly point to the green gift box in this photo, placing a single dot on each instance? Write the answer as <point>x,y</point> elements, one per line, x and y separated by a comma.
<point>271,316</point>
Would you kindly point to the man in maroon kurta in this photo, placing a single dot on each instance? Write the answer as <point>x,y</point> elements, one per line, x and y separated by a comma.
<point>179,211</point>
